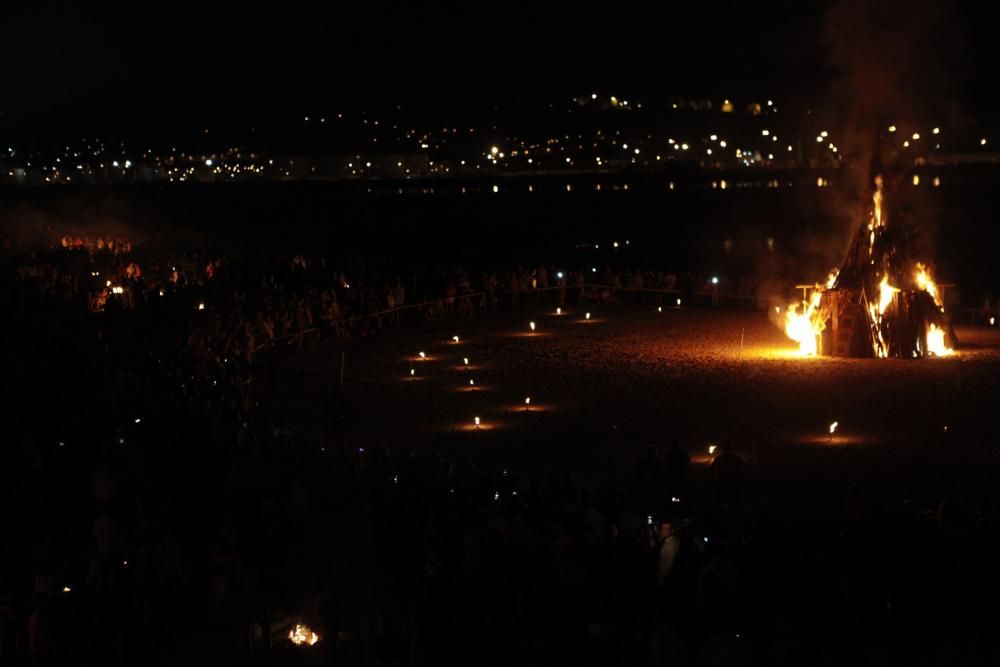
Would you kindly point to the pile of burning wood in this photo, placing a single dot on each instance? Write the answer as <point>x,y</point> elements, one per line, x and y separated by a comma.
<point>880,303</point>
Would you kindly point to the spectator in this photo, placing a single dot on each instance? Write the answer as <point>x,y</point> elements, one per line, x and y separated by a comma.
<point>728,470</point>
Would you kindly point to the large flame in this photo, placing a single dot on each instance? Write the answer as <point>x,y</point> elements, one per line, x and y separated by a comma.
<point>926,283</point>
<point>804,323</point>
<point>886,294</point>
<point>935,342</point>
<point>301,635</point>
<point>876,219</point>
<point>804,327</point>
<point>935,334</point>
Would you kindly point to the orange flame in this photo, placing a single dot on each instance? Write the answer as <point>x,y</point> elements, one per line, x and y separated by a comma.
<point>926,283</point>
<point>804,327</point>
<point>886,294</point>
<point>302,635</point>
<point>831,278</point>
<point>935,334</point>
<point>935,342</point>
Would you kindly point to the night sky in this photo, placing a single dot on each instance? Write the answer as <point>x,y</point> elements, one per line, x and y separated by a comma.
<point>71,64</point>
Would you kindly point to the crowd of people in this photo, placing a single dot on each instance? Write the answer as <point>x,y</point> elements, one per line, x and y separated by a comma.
<point>154,513</point>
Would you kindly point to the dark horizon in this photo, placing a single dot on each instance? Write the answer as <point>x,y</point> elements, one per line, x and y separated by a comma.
<point>102,69</point>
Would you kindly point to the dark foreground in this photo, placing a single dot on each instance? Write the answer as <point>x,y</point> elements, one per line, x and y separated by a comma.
<point>385,521</point>
<point>531,536</point>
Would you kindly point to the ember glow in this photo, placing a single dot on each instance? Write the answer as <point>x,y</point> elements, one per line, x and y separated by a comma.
<point>301,635</point>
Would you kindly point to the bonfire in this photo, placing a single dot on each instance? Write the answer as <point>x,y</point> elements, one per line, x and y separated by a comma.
<point>881,302</point>
<point>302,635</point>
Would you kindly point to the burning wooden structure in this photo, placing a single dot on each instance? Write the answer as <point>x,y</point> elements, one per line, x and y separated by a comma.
<point>880,303</point>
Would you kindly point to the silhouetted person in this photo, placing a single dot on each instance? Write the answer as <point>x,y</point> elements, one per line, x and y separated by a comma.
<point>727,473</point>
<point>648,479</point>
